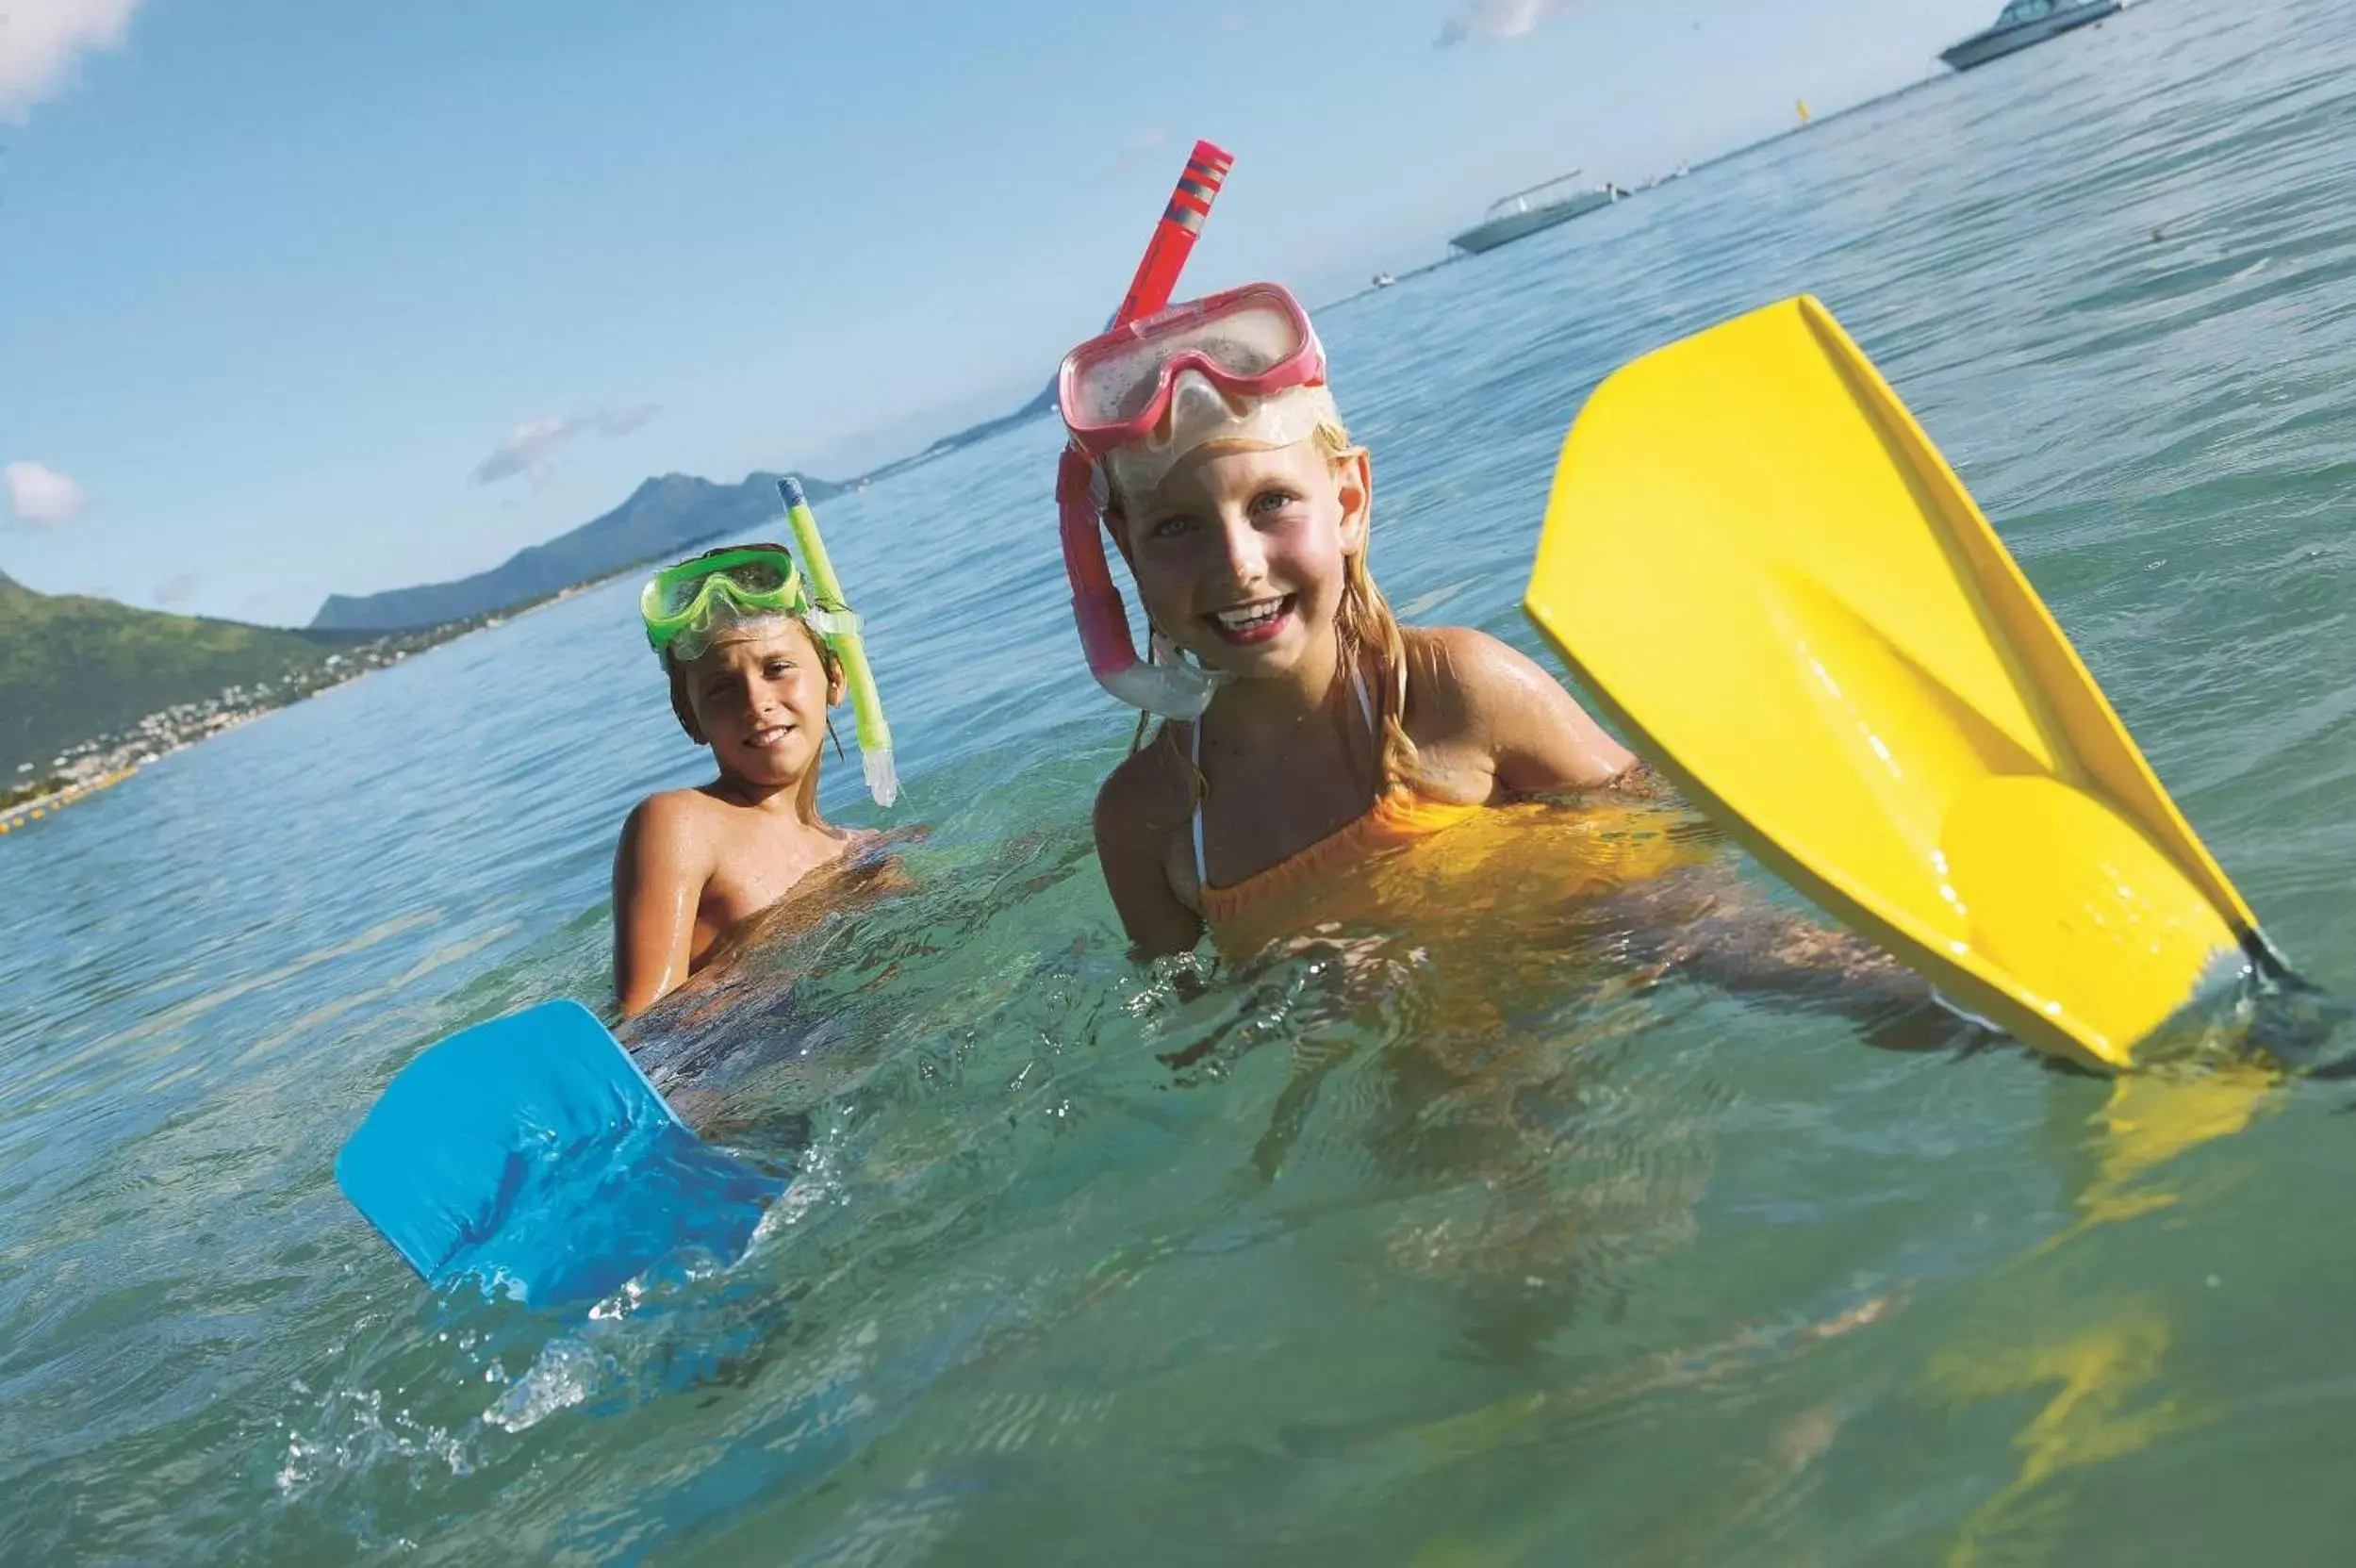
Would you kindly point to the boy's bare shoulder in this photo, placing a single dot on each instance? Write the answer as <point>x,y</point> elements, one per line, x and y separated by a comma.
<point>666,808</point>
<point>670,823</point>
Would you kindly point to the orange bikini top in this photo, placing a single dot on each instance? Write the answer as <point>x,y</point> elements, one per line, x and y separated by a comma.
<point>1508,862</point>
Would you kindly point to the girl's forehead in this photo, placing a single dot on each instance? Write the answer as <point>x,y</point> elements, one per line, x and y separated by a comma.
<point>1218,468</point>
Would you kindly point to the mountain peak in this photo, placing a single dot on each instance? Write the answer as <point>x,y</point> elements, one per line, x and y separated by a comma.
<point>664,516</point>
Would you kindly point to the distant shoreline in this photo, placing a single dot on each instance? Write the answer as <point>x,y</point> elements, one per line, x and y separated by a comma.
<point>103,760</point>
<point>22,812</point>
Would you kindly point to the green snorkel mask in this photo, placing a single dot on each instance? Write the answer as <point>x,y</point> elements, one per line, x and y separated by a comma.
<point>693,599</point>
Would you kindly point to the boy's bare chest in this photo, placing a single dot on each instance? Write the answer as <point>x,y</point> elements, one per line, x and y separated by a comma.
<point>755,864</point>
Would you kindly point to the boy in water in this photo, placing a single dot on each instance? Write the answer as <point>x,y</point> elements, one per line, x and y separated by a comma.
<point>755,660</point>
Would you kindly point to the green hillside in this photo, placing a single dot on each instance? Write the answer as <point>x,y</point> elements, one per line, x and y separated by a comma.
<point>73,669</point>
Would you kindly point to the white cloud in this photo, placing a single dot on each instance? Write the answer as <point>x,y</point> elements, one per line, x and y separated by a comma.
<point>41,497</point>
<point>40,41</point>
<point>530,447</point>
<point>622,421</point>
<point>177,591</point>
<point>1496,19</point>
<point>1137,151</point>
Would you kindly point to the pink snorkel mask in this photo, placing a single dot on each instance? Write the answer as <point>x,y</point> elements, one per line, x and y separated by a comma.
<point>1249,343</point>
<point>1116,388</point>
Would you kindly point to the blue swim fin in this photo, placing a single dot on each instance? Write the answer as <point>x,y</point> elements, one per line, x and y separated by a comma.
<point>531,1153</point>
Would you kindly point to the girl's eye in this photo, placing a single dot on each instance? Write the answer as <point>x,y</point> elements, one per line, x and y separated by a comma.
<point>779,667</point>
<point>1273,501</point>
<point>1169,527</point>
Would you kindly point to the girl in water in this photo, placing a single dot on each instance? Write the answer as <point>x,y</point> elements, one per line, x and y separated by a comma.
<point>1307,733</point>
<point>1330,734</point>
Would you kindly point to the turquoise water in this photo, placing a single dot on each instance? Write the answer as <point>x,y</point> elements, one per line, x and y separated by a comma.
<point>1368,1275</point>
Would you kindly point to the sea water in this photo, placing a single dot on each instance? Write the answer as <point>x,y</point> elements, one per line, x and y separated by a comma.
<point>1318,1263</point>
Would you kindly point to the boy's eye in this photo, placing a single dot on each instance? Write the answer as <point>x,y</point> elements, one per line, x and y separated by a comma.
<point>1169,527</point>
<point>778,666</point>
<point>1273,500</point>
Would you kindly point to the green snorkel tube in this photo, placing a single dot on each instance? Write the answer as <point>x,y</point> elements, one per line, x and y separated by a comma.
<point>875,736</point>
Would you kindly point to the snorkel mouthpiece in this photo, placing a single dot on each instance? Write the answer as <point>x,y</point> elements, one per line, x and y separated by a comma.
<point>1171,690</point>
<point>831,618</point>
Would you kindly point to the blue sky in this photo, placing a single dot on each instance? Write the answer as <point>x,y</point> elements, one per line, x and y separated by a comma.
<point>298,298</point>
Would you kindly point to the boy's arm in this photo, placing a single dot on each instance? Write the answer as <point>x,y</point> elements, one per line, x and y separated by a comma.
<point>1537,736</point>
<point>1129,850</point>
<point>658,884</point>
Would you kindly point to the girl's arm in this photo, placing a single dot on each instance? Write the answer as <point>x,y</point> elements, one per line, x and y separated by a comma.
<point>658,884</point>
<point>1702,921</point>
<point>1132,849</point>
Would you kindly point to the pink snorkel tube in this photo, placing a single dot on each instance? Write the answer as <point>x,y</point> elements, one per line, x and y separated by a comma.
<point>1172,690</point>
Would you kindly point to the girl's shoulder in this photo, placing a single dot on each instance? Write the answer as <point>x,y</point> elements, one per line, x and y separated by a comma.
<point>1480,703</point>
<point>1459,676</point>
<point>1151,791</point>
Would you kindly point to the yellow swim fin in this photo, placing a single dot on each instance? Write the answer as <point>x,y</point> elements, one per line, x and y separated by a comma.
<point>1755,558</point>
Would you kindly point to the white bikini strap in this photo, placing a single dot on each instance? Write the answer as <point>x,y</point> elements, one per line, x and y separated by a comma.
<point>1194,754</point>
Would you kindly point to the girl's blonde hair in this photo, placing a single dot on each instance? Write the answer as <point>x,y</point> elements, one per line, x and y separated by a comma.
<point>1363,623</point>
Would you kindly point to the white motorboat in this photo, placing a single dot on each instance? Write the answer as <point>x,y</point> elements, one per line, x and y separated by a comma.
<point>1541,206</point>
<point>2025,23</point>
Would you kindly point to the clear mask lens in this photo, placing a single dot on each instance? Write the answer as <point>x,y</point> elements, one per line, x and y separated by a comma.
<point>1121,382</point>
<point>760,577</point>
<point>756,576</point>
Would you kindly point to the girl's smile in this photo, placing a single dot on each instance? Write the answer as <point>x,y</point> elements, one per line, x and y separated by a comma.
<point>1257,621</point>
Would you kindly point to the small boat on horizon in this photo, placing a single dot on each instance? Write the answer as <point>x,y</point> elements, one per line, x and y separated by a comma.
<point>1541,206</point>
<point>2025,23</point>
